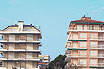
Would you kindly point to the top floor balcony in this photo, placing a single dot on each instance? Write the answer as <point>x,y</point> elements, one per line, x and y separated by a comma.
<point>19,32</point>
<point>23,41</point>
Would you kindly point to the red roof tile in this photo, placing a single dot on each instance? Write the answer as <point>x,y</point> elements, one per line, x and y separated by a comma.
<point>87,19</point>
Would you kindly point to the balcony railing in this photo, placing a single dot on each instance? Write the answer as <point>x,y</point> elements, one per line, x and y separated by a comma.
<point>20,50</point>
<point>101,64</point>
<point>100,55</point>
<point>100,46</point>
<point>100,38</point>
<point>16,59</point>
<point>77,55</point>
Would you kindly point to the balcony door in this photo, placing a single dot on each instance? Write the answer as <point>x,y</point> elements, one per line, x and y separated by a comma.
<point>11,37</point>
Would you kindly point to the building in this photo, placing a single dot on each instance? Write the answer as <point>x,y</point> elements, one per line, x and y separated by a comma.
<point>20,46</point>
<point>86,43</point>
<point>45,59</point>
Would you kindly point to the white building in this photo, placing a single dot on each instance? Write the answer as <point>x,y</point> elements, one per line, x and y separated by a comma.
<point>20,46</point>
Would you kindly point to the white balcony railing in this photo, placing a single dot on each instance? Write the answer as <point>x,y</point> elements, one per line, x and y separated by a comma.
<point>17,59</point>
<point>77,55</point>
<point>100,46</point>
<point>3,41</point>
<point>101,64</point>
<point>100,38</point>
<point>100,55</point>
<point>24,50</point>
<point>4,32</point>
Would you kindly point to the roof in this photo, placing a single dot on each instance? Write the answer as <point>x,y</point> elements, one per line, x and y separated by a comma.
<point>86,20</point>
<point>23,26</point>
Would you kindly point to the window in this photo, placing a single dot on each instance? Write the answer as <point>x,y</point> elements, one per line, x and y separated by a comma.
<point>75,44</point>
<point>83,44</point>
<point>11,37</point>
<point>93,53</point>
<point>75,35</point>
<point>96,27</point>
<point>22,55</point>
<point>93,35</point>
<point>29,55</point>
<point>22,37</point>
<point>85,27</point>
<point>93,44</point>
<point>29,46</point>
<point>83,53</point>
<point>29,37</point>
<point>23,46</point>
<point>75,53</point>
<point>90,27</point>
<point>16,55</point>
<point>17,46</point>
<point>93,61</point>
<point>79,27</point>
<point>75,61</point>
<point>83,61</point>
<point>83,35</point>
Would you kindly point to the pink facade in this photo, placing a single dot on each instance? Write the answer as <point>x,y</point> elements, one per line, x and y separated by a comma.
<point>86,43</point>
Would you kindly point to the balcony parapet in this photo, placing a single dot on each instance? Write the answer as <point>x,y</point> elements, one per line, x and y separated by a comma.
<point>77,56</point>
<point>99,47</point>
<point>5,41</point>
<point>99,65</point>
<point>19,59</point>
<point>77,40</point>
<point>77,48</point>
<point>19,50</point>
<point>19,32</point>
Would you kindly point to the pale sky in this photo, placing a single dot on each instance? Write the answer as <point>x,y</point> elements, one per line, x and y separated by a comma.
<point>53,16</point>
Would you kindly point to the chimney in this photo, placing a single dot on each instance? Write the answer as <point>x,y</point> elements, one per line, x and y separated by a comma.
<point>85,18</point>
<point>20,25</point>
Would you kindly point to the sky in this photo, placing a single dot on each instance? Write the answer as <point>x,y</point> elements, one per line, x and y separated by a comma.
<point>53,16</point>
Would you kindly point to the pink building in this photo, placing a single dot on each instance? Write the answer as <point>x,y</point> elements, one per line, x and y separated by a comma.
<point>86,43</point>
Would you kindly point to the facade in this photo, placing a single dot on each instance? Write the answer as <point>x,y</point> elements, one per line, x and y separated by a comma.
<point>86,43</point>
<point>20,46</point>
<point>45,59</point>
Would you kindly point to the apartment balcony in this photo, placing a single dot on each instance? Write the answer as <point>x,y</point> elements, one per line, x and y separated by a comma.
<point>99,47</point>
<point>97,39</point>
<point>77,56</point>
<point>20,50</point>
<point>19,59</point>
<point>4,67</point>
<point>99,65</point>
<point>77,40</point>
<point>19,32</point>
<point>71,48</point>
<point>98,56</point>
<point>100,38</point>
<point>20,41</point>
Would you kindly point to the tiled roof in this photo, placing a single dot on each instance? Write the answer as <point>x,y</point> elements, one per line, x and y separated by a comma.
<point>87,19</point>
<point>23,26</point>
